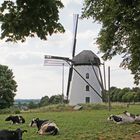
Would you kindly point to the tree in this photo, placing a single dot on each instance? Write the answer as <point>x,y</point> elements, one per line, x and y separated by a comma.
<point>32,105</point>
<point>55,99</point>
<point>120,33</point>
<point>44,101</point>
<point>122,93</point>
<point>27,18</point>
<point>128,97</point>
<point>8,87</point>
<point>114,92</point>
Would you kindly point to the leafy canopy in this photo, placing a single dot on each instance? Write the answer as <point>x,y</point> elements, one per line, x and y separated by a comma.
<point>8,87</point>
<point>120,32</point>
<point>24,18</point>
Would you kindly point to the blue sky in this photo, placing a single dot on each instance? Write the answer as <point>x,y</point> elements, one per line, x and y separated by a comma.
<point>27,59</point>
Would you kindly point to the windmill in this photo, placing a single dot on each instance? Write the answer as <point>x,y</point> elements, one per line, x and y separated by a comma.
<point>79,64</point>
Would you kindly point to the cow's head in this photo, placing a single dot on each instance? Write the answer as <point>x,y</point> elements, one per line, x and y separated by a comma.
<point>34,122</point>
<point>110,118</point>
<point>9,118</point>
<point>129,114</point>
<point>115,118</point>
<point>19,132</point>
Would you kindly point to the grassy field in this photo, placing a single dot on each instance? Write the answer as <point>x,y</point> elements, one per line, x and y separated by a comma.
<point>78,125</point>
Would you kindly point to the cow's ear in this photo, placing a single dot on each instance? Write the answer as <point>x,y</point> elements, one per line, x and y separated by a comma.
<point>37,119</point>
<point>18,129</point>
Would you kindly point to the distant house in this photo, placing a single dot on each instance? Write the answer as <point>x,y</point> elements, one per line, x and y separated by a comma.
<point>24,108</point>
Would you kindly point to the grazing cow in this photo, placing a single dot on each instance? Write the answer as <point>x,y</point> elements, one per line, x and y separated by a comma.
<point>15,119</point>
<point>11,134</point>
<point>121,119</point>
<point>45,126</point>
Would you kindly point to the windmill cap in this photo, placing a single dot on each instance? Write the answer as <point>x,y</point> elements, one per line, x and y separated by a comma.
<point>86,57</point>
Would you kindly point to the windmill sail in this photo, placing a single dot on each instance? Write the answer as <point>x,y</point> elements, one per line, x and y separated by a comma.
<point>55,61</point>
<point>75,19</point>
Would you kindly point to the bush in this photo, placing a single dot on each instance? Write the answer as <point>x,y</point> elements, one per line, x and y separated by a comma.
<point>11,110</point>
<point>17,111</point>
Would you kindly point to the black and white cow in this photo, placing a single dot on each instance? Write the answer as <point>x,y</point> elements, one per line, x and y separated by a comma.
<point>49,128</point>
<point>136,117</point>
<point>129,114</point>
<point>15,119</point>
<point>11,134</point>
<point>45,126</point>
<point>121,119</point>
<point>37,122</point>
<point>115,118</point>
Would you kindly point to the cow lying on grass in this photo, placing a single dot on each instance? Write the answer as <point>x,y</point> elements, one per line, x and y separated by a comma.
<point>37,122</point>
<point>136,117</point>
<point>15,119</point>
<point>45,126</point>
<point>126,117</point>
<point>11,134</point>
<point>121,119</point>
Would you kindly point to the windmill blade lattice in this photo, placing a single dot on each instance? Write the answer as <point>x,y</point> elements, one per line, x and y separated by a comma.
<point>55,61</point>
<point>75,19</point>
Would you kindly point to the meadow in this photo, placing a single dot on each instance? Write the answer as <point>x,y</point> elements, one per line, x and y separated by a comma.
<point>87,124</point>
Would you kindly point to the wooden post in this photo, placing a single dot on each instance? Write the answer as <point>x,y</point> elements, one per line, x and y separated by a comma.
<point>62,83</point>
<point>104,76</point>
<point>109,103</point>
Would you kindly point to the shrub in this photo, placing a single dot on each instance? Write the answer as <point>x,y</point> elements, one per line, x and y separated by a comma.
<point>11,110</point>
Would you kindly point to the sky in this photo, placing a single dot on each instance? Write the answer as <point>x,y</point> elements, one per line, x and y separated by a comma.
<point>27,59</point>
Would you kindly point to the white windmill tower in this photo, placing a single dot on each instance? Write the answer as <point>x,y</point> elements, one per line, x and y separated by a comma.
<point>85,85</point>
<point>84,81</point>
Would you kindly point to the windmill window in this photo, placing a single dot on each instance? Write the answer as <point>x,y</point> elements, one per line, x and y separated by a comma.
<point>87,75</point>
<point>87,99</point>
<point>87,87</point>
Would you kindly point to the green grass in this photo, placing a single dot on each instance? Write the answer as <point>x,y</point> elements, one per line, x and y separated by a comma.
<point>78,125</point>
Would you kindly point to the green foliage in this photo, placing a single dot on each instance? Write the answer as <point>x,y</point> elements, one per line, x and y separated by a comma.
<point>8,87</point>
<point>120,33</point>
<point>44,101</point>
<point>125,94</point>
<point>11,110</point>
<point>27,18</point>
<point>53,108</point>
<point>56,99</point>
<point>32,105</point>
<point>93,106</point>
<point>128,97</point>
<point>17,111</point>
<point>66,107</point>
